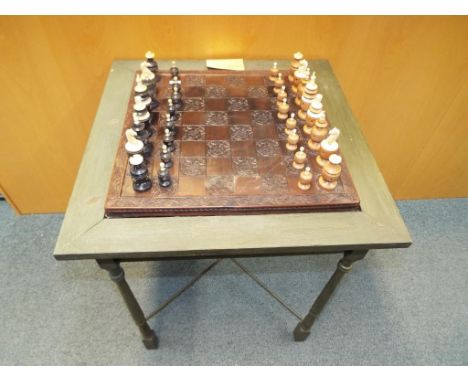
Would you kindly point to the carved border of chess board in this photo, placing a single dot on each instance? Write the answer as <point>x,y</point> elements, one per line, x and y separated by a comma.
<point>157,202</point>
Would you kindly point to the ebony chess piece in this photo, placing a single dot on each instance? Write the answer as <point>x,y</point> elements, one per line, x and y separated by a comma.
<point>168,140</point>
<point>166,156</point>
<point>170,123</point>
<point>174,70</point>
<point>171,110</point>
<point>139,173</point>
<point>176,97</point>
<point>164,178</point>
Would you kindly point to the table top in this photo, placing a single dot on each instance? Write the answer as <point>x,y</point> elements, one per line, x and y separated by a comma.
<point>87,234</point>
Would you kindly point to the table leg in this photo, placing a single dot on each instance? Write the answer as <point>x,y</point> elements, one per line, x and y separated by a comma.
<point>302,330</point>
<point>117,275</point>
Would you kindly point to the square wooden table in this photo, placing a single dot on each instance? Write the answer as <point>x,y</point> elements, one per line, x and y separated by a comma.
<point>87,234</point>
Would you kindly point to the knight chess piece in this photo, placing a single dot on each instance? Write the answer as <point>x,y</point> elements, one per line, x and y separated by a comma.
<point>164,178</point>
<point>297,57</point>
<point>279,82</point>
<point>283,110</point>
<point>139,173</point>
<point>305,179</point>
<point>133,145</point>
<point>328,147</point>
<point>168,140</point>
<point>293,139</point>
<point>300,158</point>
<point>291,124</point>
<point>331,172</point>
<point>318,132</point>
<point>313,113</point>
<point>166,156</point>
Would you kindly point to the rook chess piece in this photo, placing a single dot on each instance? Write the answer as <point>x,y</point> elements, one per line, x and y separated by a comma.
<point>279,82</point>
<point>164,179</point>
<point>328,147</point>
<point>298,56</point>
<point>166,156</point>
<point>139,173</point>
<point>293,138</point>
<point>283,110</point>
<point>274,72</point>
<point>331,172</point>
<point>305,179</point>
<point>299,159</point>
<point>318,132</point>
<point>291,124</point>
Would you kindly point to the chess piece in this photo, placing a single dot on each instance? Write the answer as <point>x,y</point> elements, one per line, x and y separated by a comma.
<point>140,128</point>
<point>141,112</point>
<point>328,147</point>
<point>151,64</point>
<point>175,83</point>
<point>301,87</point>
<point>274,72</point>
<point>168,140</point>
<point>164,179</point>
<point>308,96</point>
<point>172,110</point>
<point>170,123</point>
<point>174,70</point>
<point>133,145</point>
<point>281,96</point>
<point>299,159</point>
<point>293,138</point>
<point>176,97</point>
<point>313,113</point>
<point>283,110</point>
<point>297,57</point>
<point>166,156</point>
<point>300,74</point>
<point>279,82</point>
<point>139,173</point>
<point>141,94</point>
<point>291,124</point>
<point>318,132</point>
<point>148,78</point>
<point>305,179</point>
<point>331,172</point>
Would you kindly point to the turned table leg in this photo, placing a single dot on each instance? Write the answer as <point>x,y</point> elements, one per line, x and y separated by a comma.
<point>117,275</point>
<point>302,330</point>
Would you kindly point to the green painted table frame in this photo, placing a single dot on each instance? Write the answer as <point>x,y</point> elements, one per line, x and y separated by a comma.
<point>87,234</point>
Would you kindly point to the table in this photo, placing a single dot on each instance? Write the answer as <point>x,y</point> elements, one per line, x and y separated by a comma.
<point>87,234</point>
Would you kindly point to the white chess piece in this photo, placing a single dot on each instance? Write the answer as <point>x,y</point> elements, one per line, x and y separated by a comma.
<point>133,145</point>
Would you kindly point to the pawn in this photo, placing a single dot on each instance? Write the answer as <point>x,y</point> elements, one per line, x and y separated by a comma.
<point>328,147</point>
<point>305,179</point>
<point>301,87</point>
<point>331,172</point>
<point>139,173</point>
<point>133,145</point>
<point>298,56</point>
<point>279,82</point>
<point>176,97</point>
<point>318,132</point>
<point>172,110</point>
<point>164,179</point>
<point>170,124</point>
<point>174,70</point>
<point>281,95</point>
<point>299,159</point>
<point>166,156</point>
<point>274,72</point>
<point>168,140</point>
<point>291,124</point>
<point>283,110</point>
<point>293,138</point>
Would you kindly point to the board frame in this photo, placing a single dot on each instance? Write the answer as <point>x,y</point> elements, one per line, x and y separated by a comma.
<point>87,234</point>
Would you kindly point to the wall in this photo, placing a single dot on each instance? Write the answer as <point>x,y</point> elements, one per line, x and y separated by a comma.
<point>405,78</point>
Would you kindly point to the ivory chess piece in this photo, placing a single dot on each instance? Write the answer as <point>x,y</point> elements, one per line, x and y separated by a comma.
<point>283,110</point>
<point>301,87</point>
<point>274,72</point>
<point>281,95</point>
<point>139,173</point>
<point>141,112</point>
<point>140,129</point>
<point>297,57</point>
<point>310,91</point>
<point>133,145</point>
<point>291,124</point>
<point>313,113</point>
<point>151,64</point>
<point>318,132</point>
<point>293,138</point>
<point>279,82</point>
<point>328,147</point>
<point>305,179</point>
<point>164,179</point>
<point>299,74</point>
<point>148,78</point>
<point>299,159</point>
<point>331,172</point>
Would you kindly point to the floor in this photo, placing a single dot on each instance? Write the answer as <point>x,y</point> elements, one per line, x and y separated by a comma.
<point>397,307</point>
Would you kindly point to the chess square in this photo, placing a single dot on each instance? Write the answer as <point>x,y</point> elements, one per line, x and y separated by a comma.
<point>265,132</point>
<point>192,166</point>
<point>215,80</point>
<point>259,104</point>
<point>190,185</point>
<point>192,133</point>
<point>248,185</point>
<point>245,166</point>
<point>243,149</point>
<point>218,148</point>
<point>192,149</point>
<point>218,166</point>
<point>271,166</point>
<point>240,117</point>
<point>193,118</point>
<point>193,91</point>
<point>255,80</point>
<point>219,185</point>
<point>215,104</point>
<point>241,132</point>
<point>267,148</point>
<point>217,132</point>
<point>236,91</point>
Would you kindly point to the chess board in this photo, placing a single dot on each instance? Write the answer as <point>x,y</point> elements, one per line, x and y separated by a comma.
<point>230,156</point>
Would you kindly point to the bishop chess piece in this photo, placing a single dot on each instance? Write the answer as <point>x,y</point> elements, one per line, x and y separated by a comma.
<point>139,173</point>
<point>164,178</point>
<point>279,82</point>
<point>305,179</point>
<point>300,74</point>
<point>313,113</point>
<point>166,156</point>
<point>133,145</point>
<point>174,70</point>
<point>328,147</point>
<point>318,132</point>
<point>300,158</point>
<point>308,96</point>
<point>274,72</point>
<point>171,110</point>
<point>281,96</point>
<point>283,110</point>
<point>151,64</point>
<point>298,56</point>
<point>168,140</point>
<point>291,124</point>
<point>293,138</point>
<point>331,172</point>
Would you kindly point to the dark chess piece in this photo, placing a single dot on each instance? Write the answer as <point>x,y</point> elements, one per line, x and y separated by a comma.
<point>176,97</point>
<point>170,123</point>
<point>164,178</point>
<point>166,156</point>
<point>174,70</point>
<point>172,110</point>
<point>151,64</point>
<point>168,140</point>
<point>139,173</point>
<point>140,128</point>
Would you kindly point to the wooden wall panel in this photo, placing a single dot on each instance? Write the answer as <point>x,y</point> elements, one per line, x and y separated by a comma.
<point>405,78</point>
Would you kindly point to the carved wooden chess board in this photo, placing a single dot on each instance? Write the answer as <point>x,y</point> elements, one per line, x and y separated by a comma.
<point>230,156</point>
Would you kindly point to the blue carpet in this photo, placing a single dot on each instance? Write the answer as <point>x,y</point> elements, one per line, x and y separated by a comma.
<point>397,307</point>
